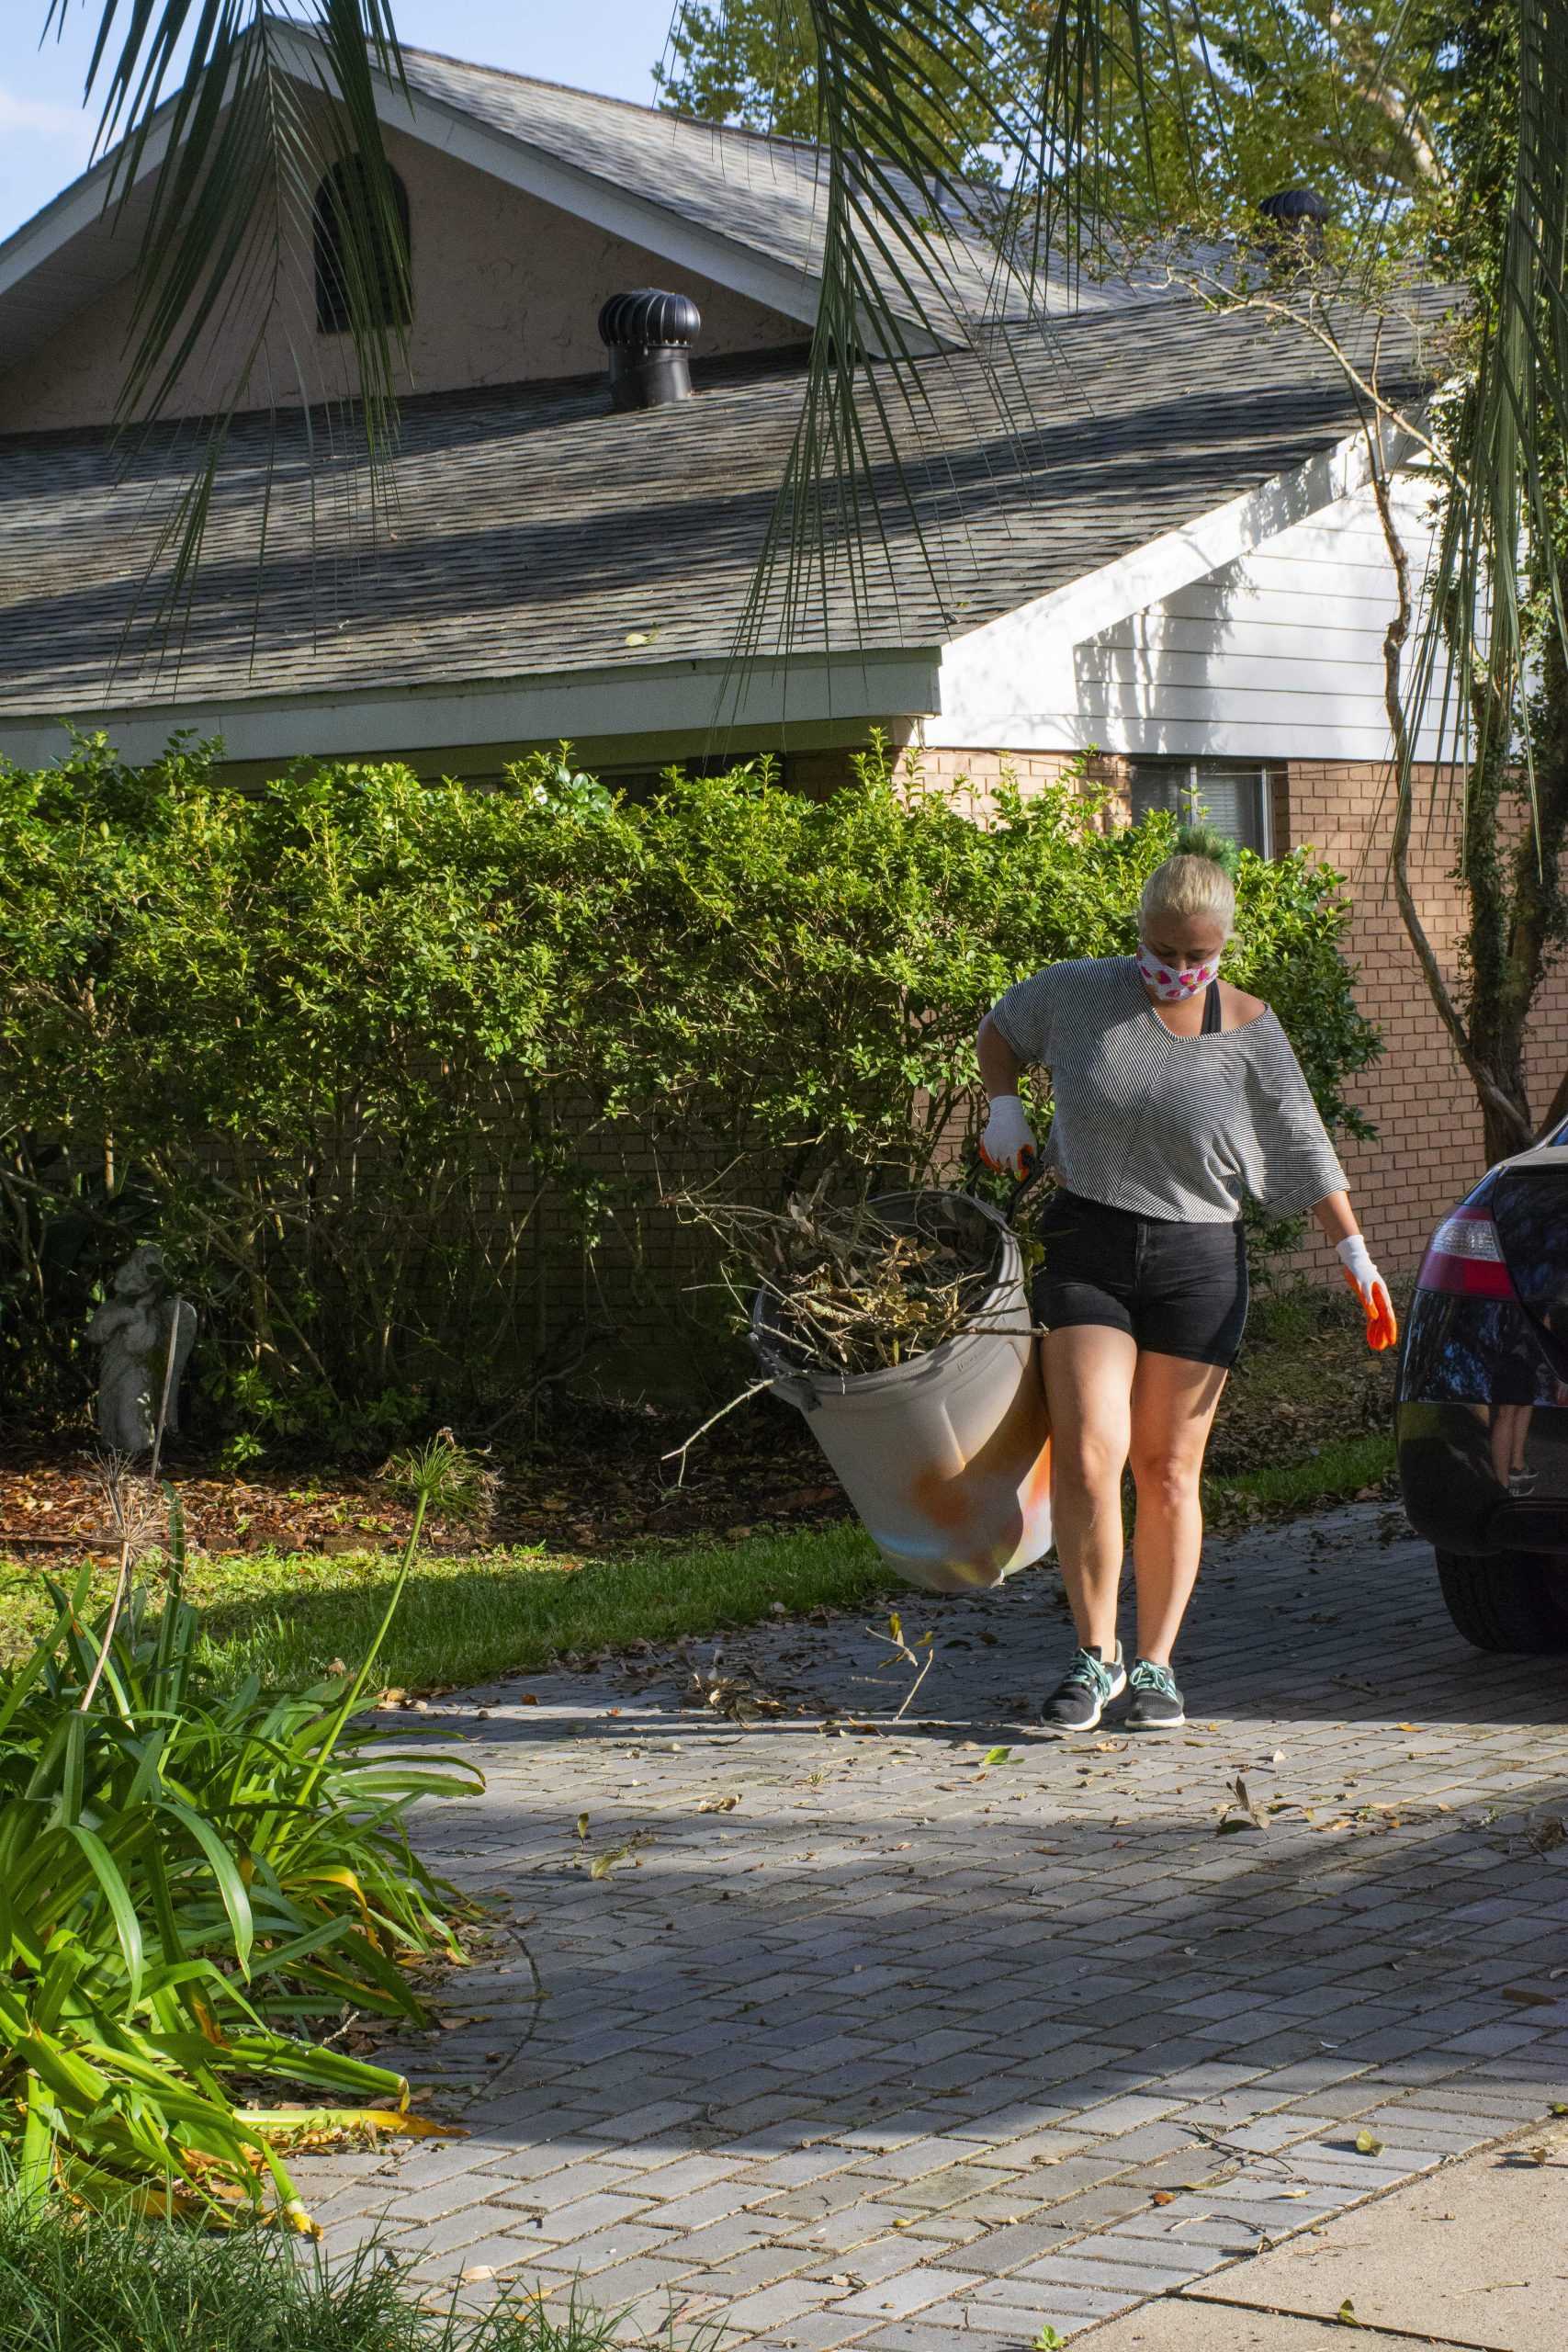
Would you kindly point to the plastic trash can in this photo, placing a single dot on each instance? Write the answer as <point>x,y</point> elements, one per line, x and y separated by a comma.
<point>946,1458</point>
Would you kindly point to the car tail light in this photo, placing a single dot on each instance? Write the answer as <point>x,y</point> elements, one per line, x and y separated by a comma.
<point>1465,1255</point>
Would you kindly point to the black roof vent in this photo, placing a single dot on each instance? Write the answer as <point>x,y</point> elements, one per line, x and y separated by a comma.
<point>1296,216</point>
<point>650,337</point>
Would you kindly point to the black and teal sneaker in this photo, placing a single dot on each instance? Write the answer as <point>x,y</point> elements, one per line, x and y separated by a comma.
<point>1156,1703</point>
<point>1085,1690</point>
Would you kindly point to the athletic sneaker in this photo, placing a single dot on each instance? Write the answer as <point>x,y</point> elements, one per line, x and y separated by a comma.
<point>1156,1702</point>
<point>1085,1690</point>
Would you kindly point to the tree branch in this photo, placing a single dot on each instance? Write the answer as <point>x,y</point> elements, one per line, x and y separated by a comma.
<point>1394,636</point>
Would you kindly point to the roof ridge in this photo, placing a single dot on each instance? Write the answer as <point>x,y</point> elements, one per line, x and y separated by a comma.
<point>609,98</point>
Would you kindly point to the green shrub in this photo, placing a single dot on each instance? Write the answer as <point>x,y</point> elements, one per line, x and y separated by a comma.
<point>190,1878</point>
<point>395,1071</point>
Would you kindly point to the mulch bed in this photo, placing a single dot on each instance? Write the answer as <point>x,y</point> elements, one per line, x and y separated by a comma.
<point>595,1484</point>
<point>596,1480</point>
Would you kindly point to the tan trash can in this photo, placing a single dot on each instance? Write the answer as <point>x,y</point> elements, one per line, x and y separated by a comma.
<point>947,1458</point>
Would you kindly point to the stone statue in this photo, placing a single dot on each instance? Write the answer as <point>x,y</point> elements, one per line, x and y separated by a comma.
<point>132,1327</point>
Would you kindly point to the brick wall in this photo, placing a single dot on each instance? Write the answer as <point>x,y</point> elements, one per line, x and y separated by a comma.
<point>1428,1149</point>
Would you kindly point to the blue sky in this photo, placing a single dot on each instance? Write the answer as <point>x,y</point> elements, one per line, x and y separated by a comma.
<point>46,137</point>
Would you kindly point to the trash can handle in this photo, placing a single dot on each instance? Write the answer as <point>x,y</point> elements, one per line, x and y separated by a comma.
<point>1024,1183</point>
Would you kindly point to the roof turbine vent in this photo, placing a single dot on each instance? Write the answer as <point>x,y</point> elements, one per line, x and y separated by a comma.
<point>650,337</point>
<point>1294,219</point>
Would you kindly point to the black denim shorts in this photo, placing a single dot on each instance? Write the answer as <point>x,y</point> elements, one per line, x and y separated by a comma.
<point>1178,1290</point>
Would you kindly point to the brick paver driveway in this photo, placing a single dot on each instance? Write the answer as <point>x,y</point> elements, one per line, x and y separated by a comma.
<point>913,2047</point>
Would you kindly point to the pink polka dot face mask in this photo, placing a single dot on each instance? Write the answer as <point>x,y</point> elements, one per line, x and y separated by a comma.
<point>1174,982</point>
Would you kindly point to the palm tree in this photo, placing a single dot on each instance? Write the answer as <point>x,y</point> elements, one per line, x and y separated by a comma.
<point>1070,132</point>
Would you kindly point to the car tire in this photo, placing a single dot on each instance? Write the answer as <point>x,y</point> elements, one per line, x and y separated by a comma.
<point>1507,1601</point>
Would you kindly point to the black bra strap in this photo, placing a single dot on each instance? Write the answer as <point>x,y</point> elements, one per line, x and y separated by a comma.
<point>1210,1011</point>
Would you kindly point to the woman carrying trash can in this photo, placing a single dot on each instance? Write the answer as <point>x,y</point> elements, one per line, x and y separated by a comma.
<point>1175,1095</point>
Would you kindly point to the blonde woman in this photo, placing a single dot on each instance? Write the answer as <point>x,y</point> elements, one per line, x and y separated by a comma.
<point>1176,1096</point>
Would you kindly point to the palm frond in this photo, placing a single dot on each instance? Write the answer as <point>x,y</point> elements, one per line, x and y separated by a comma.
<point>222,178</point>
<point>908,278</point>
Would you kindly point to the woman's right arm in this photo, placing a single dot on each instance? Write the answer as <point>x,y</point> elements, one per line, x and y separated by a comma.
<point>1006,1140</point>
<point>1000,1066</point>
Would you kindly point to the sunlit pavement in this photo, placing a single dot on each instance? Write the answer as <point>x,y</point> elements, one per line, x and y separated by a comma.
<point>946,2031</point>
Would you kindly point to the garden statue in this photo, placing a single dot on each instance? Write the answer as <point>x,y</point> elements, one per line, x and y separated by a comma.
<point>134,1328</point>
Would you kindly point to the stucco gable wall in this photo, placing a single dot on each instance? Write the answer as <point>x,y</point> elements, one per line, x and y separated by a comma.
<point>505,287</point>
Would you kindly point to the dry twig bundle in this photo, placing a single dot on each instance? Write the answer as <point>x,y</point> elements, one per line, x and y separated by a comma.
<point>850,1290</point>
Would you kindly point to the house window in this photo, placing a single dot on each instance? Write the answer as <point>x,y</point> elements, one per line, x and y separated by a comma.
<point>1234,800</point>
<point>343,202</point>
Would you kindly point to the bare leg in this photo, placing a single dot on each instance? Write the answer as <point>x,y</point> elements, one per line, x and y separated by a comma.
<point>1089,1382</point>
<point>1510,1429</point>
<point>1173,1407</point>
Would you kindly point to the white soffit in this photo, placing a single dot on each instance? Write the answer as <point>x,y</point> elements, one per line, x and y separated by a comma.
<point>643,698</point>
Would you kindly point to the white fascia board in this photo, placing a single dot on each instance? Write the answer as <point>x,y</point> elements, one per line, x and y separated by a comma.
<point>1314,737</point>
<point>1006,684</point>
<point>689,697</point>
<point>76,208</point>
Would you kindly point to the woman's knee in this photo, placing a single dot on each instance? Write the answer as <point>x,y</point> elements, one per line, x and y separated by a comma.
<point>1165,1477</point>
<point>1088,1461</point>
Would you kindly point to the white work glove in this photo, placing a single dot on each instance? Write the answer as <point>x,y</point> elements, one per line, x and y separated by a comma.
<point>1006,1141</point>
<point>1370,1288</point>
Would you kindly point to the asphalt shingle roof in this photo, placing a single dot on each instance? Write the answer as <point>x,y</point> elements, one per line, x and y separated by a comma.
<point>534,532</point>
<point>764,194</point>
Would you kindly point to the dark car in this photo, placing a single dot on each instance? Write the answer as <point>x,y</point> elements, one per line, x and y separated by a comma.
<point>1482,1413</point>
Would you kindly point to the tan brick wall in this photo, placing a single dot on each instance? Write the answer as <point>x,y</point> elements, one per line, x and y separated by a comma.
<point>1428,1151</point>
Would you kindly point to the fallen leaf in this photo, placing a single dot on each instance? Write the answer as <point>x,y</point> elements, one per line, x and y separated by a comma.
<point>1527,1998</point>
<point>603,1864</point>
<point>995,1756</point>
<point>582,1827</point>
<point>646,637</point>
<point>1346,2315</point>
<point>718,1805</point>
<point>1539,2155</point>
<point>527,1698</point>
<point>1367,2144</point>
<point>478,2270</point>
<point>1164,2197</point>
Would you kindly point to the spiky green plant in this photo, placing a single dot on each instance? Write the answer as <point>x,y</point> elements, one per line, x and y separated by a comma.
<point>189,1881</point>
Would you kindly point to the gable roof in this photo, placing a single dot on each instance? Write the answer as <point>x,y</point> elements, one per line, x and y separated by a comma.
<point>737,206</point>
<point>536,534</point>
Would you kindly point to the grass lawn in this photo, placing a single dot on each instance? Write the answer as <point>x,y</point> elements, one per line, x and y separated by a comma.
<point>1304,1423</point>
<point>73,2282</point>
<point>290,1617</point>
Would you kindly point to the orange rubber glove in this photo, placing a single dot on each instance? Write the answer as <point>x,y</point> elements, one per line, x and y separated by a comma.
<point>1355,1259</point>
<point>1008,1141</point>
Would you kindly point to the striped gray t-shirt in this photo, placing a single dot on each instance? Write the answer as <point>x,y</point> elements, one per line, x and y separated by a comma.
<point>1180,1128</point>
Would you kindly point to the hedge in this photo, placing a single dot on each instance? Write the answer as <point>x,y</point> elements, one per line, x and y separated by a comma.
<point>396,1071</point>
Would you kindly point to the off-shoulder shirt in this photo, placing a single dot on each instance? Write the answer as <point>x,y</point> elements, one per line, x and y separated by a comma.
<point>1176,1128</point>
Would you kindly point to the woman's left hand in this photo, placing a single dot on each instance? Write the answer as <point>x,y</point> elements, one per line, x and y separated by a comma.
<point>1382,1329</point>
